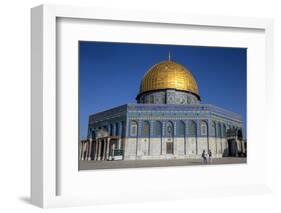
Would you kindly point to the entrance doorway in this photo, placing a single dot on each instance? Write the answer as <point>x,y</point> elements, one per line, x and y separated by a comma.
<point>170,138</point>
<point>169,148</point>
<point>232,148</point>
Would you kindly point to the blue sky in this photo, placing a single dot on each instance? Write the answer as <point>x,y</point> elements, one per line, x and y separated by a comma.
<point>110,74</point>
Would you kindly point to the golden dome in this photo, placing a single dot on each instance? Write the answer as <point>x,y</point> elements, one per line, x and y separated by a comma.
<point>168,75</point>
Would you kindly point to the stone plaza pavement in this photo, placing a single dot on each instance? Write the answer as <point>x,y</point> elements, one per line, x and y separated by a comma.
<point>90,165</point>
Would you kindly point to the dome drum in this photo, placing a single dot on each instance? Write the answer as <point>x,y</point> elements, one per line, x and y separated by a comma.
<point>168,96</point>
<point>169,76</point>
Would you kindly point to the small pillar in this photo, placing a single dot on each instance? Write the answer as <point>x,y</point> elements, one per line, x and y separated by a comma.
<point>107,150</point>
<point>112,154</point>
<point>90,149</point>
<point>81,151</point>
<point>104,149</point>
<point>96,149</point>
<point>99,151</point>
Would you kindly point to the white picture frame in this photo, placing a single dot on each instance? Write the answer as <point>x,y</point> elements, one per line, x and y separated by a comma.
<point>45,168</point>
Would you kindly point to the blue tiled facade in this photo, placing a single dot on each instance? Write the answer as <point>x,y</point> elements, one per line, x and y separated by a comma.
<point>117,120</point>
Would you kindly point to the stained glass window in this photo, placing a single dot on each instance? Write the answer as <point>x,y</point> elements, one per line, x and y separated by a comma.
<point>145,129</point>
<point>181,129</point>
<point>203,128</point>
<point>134,129</point>
<point>192,128</point>
<point>170,129</point>
<point>157,128</point>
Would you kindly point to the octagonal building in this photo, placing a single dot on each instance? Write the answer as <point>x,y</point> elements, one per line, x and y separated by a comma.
<point>167,122</point>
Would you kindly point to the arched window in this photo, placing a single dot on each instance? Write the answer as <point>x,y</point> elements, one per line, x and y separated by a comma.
<point>219,130</point>
<point>134,129</point>
<point>223,130</point>
<point>123,130</point>
<point>145,129</point>
<point>214,129</point>
<point>111,129</point>
<point>169,129</point>
<point>192,129</point>
<point>116,129</point>
<point>181,129</point>
<point>203,128</point>
<point>157,129</point>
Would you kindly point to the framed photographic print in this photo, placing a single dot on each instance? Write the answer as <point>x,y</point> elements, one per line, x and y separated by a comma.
<point>132,106</point>
<point>172,122</point>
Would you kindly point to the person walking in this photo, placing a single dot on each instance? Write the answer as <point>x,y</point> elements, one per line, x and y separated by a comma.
<point>210,156</point>
<point>204,156</point>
